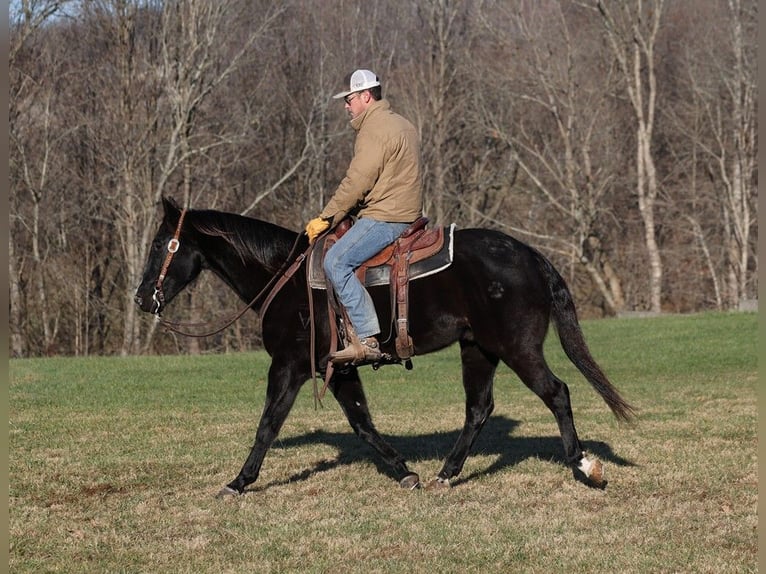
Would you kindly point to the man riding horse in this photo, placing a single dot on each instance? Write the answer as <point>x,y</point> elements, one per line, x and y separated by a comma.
<point>382,188</point>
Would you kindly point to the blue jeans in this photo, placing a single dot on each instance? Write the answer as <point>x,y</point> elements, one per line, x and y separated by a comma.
<point>365,239</point>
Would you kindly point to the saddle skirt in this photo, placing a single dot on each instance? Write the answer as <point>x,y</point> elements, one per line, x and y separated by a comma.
<point>430,253</point>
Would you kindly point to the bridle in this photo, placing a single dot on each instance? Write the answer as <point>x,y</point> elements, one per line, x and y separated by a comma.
<point>158,297</point>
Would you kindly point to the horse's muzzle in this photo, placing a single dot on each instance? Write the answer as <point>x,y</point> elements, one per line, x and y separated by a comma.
<point>154,308</point>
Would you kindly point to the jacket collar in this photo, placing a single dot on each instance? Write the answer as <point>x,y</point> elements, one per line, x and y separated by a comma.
<point>381,104</point>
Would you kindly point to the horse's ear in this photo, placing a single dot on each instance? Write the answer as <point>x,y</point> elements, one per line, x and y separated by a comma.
<point>172,210</point>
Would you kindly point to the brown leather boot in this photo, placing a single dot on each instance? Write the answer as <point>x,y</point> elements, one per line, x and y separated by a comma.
<point>357,352</point>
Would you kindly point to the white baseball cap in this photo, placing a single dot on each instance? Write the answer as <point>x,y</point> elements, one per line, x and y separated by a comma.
<point>360,80</point>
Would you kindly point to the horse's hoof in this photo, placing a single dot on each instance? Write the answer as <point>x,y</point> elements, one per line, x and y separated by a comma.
<point>226,491</point>
<point>410,482</point>
<point>438,483</point>
<point>593,471</point>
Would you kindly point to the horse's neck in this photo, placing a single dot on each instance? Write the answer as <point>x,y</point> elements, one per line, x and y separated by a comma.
<point>245,275</point>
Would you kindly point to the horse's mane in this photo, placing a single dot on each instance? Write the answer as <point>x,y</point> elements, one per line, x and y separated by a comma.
<point>251,238</point>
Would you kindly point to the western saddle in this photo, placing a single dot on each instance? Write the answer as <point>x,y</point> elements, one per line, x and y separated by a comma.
<point>415,244</point>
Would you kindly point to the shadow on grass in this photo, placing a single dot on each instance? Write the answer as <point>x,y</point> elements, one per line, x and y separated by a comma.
<point>495,439</point>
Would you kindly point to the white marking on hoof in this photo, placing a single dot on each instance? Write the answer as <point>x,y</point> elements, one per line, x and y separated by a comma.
<point>593,470</point>
<point>585,466</point>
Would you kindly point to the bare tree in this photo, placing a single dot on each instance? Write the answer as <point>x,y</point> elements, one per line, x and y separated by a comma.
<point>34,139</point>
<point>713,122</point>
<point>631,29</point>
<point>162,86</point>
<point>731,112</point>
<point>27,16</point>
<point>559,112</point>
<point>442,20</point>
<point>192,68</point>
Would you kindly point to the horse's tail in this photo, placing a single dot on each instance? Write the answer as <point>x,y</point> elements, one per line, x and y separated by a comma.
<point>574,345</point>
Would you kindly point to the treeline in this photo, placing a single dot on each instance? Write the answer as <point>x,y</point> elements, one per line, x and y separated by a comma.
<point>617,136</point>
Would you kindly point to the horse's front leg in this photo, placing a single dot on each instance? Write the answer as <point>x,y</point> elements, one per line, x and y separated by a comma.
<point>347,389</point>
<point>478,375</point>
<point>284,383</point>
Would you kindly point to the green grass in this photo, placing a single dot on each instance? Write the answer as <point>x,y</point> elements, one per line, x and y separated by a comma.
<point>114,464</point>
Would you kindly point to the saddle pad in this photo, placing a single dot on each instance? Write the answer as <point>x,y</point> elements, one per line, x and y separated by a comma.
<point>381,274</point>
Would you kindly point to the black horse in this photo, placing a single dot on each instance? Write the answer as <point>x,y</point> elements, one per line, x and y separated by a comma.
<point>496,300</point>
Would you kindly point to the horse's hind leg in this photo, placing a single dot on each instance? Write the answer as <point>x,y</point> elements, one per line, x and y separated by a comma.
<point>535,374</point>
<point>478,374</point>
<point>347,389</point>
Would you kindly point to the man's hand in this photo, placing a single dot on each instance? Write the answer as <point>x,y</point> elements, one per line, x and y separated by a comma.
<point>315,227</point>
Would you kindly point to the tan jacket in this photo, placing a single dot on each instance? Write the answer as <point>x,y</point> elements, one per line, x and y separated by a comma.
<point>383,179</point>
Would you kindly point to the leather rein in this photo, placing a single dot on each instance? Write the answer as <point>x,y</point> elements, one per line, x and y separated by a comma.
<point>270,290</point>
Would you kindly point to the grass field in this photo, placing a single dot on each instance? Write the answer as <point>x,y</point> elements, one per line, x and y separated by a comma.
<point>114,464</point>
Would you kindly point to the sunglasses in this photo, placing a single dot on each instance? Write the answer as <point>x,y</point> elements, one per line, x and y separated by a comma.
<point>349,98</point>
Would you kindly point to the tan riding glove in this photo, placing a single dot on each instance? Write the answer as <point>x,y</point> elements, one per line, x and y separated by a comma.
<point>315,227</point>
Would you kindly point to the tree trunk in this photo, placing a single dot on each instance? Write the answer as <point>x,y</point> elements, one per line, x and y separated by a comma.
<point>17,333</point>
<point>632,37</point>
